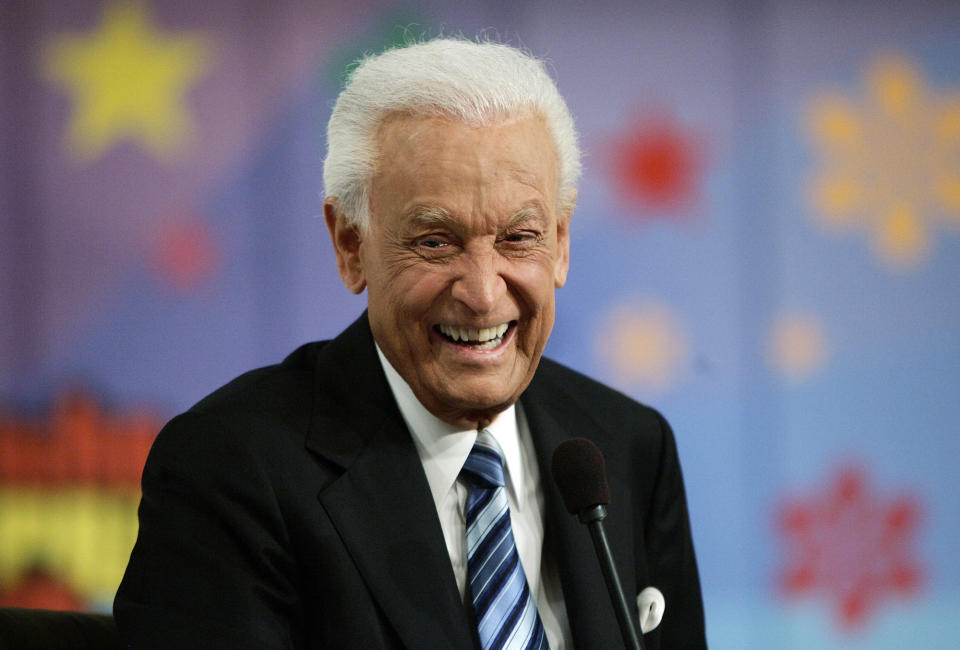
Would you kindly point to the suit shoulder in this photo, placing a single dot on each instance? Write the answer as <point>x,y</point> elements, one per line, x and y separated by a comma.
<point>585,388</point>
<point>608,406</point>
<point>254,411</point>
<point>274,387</point>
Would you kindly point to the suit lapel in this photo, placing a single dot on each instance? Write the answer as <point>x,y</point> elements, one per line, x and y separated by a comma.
<point>382,507</point>
<point>553,417</point>
<point>381,504</point>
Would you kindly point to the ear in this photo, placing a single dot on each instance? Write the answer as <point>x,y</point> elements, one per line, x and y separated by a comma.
<point>562,263</point>
<point>346,240</point>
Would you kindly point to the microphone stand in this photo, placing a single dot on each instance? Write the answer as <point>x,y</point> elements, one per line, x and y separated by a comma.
<point>593,517</point>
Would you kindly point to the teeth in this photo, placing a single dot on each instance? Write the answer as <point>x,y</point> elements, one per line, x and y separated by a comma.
<point>483,338</point>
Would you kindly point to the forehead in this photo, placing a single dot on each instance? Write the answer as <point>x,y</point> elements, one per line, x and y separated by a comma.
<point>463,169</point>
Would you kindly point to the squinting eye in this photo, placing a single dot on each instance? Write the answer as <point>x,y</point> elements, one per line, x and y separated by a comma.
<point>433,246</point>
<point>520,237</point>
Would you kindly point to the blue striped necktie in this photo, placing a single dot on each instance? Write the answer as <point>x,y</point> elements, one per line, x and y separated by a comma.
<point>503,606</point>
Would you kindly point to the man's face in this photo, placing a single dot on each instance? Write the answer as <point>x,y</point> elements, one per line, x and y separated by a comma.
<point>463,254</point>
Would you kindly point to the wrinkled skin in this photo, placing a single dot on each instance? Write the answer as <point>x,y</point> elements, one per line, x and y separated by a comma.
<point>464,233</point>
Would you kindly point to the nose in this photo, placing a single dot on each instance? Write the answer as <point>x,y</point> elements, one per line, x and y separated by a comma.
<point>479,284</point>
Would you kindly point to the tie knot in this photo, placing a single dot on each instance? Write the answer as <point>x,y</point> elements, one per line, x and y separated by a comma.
<point>484,465</point>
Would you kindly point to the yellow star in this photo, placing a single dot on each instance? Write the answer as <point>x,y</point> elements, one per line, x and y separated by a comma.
<point>128,81</point>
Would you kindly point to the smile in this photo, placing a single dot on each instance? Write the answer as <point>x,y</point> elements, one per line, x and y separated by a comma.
<point>485,338</point>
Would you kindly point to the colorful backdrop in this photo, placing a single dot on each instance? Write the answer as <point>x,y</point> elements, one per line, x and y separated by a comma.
<point>766,247</point>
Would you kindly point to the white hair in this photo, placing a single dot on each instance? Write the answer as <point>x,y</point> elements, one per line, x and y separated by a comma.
<point>477,83</point>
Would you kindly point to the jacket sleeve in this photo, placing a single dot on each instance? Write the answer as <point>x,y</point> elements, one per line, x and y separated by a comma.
<point>210,568</point>
<point>670,555</point>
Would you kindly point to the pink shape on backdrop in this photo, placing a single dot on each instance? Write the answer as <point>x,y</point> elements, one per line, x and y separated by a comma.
<point>846,543</point>
<point>186,254</point>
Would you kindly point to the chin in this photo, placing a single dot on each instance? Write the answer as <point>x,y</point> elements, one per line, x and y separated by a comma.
<point>477,404</point>
<point>485,398</point>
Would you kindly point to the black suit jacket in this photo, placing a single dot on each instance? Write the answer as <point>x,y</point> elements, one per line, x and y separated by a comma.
<point>290,509</point>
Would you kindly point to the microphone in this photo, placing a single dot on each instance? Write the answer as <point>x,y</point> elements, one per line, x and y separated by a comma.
<point>580,473</point>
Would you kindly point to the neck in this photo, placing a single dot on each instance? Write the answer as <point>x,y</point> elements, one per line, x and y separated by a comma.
<point>464,420</point>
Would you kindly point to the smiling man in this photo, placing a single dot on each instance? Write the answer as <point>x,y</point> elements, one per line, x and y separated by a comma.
<point>460,261</point>
<point>390,488</point>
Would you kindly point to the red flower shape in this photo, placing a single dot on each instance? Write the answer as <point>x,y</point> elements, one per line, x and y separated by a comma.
<point>656,164</point>
<point>851,545</point>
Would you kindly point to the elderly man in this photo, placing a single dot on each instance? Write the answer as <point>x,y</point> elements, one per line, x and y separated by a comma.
<point>390,488</point>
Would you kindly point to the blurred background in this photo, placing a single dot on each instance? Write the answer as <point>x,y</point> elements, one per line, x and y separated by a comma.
<point>766,248</point>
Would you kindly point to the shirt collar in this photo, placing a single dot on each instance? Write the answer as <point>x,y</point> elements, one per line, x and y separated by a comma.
<point>443,448</point>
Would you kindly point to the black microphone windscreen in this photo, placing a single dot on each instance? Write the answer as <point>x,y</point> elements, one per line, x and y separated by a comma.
<point>580,473</point>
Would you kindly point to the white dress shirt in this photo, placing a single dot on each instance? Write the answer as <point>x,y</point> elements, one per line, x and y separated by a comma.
<point>443,449</point>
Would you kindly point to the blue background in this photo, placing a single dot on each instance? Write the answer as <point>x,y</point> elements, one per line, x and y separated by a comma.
<point>83,302</point>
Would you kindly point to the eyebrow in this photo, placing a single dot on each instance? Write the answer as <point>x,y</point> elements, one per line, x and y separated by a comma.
<point>429,215</point>
<point>435,216</point>
<point>526,213</point>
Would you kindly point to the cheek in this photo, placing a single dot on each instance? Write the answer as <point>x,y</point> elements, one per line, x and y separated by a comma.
<point>533,281</point>
<point>413,294</point>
